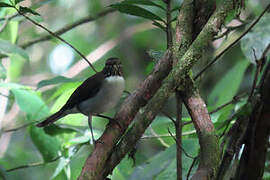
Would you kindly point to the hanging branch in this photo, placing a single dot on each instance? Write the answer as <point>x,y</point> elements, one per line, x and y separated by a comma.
<point>33,165</point>
<point>56,36</point>
<point>68,27</point>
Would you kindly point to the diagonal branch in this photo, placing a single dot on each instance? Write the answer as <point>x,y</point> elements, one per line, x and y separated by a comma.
<point>106,156</point>
<point>56,36</point>
<point>233,43</point>
<point>68,27</point>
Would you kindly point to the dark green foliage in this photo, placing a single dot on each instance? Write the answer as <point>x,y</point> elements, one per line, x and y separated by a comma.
<point>136,11</point>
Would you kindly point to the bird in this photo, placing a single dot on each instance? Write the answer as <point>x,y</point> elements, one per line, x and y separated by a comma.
<point>97,94</point>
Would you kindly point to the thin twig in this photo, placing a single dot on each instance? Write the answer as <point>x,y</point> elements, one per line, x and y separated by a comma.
<point>227,124</point>
<point>33,164</point>
<point>168,116</point>
<point>68,27</point>
<point>257,72</point>
<point>159,136</point>
<point>179,145</point>
<point>228,30</point>
<point>4,24</point>
<point>178,131</point>
<point>75,150</point>
<point>20,127</point>
<point>1,94</point>
<point>168,25</point>
<point>159,139</point>
<point>233,43</point>
<point>259,66</point>
<point>171,118</point>
<point>191,167</point>
<point>55,35</point>
<point>234,99</point>
<point>266,51</point>
<point>168,135</point>
<point>9,17</point>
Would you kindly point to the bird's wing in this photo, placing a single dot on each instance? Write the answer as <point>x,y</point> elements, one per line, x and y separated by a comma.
<point>86,90</point>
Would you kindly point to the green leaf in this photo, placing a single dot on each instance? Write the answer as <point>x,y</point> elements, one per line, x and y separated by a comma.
<point>169,172</point>
<point>163,165</point>
<point>28,10</point>
<point>227,87</point>
<point>160,127</point>
<point>31,103</point>
<point>136,11</point>
<point>64,162</point>
<point>55,80</point>
<point>3,173</point>
<point>54,130</point>
<point>155,165</point>
<point>11,85</point>
<point>222,114</point>
<point>7,48</point>
<point>63,88</point>
<point>18,1</point>
<point>15,67</point>
<point>78,160</point>
<point>48,146</point>
<point>123,170</point>
<point>62,99</point>
<point>266,175</point>
<point>159,26</point>
<point>191,146</point>
<point>257,39</point>
<point>3,72</point>
<point>2,4</point>
<point>79,140</point>
<point>244,111</point>
<point>10,32</point>
<point>142,2</point>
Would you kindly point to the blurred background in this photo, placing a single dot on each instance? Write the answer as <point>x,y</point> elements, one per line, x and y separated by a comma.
<point>38,79</point>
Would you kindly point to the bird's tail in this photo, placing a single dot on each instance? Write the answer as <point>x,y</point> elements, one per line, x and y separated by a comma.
<point>54,117</point>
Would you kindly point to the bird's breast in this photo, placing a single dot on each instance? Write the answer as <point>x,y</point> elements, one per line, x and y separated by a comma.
<point>107,97</point>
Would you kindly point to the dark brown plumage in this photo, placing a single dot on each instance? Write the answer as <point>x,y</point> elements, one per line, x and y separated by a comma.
<point>86,91</point>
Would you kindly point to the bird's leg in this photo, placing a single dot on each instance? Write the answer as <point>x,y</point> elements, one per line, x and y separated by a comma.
<point>111,120</point>
<point>91,128</point>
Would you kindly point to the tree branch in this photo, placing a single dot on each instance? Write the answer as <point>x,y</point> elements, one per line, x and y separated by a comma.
<point>102,160</point>
<point>4,24</point>
<point>209,147</point>
<point>96,161</point>
<point>169,25</point>
<point>33,164</point>
<point>68,27</point>
<point>233,43</point>
<point>56,36</point>
<point>184,31</point>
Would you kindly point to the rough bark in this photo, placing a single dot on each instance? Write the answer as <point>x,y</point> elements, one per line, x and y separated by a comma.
<point>105,156</point>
